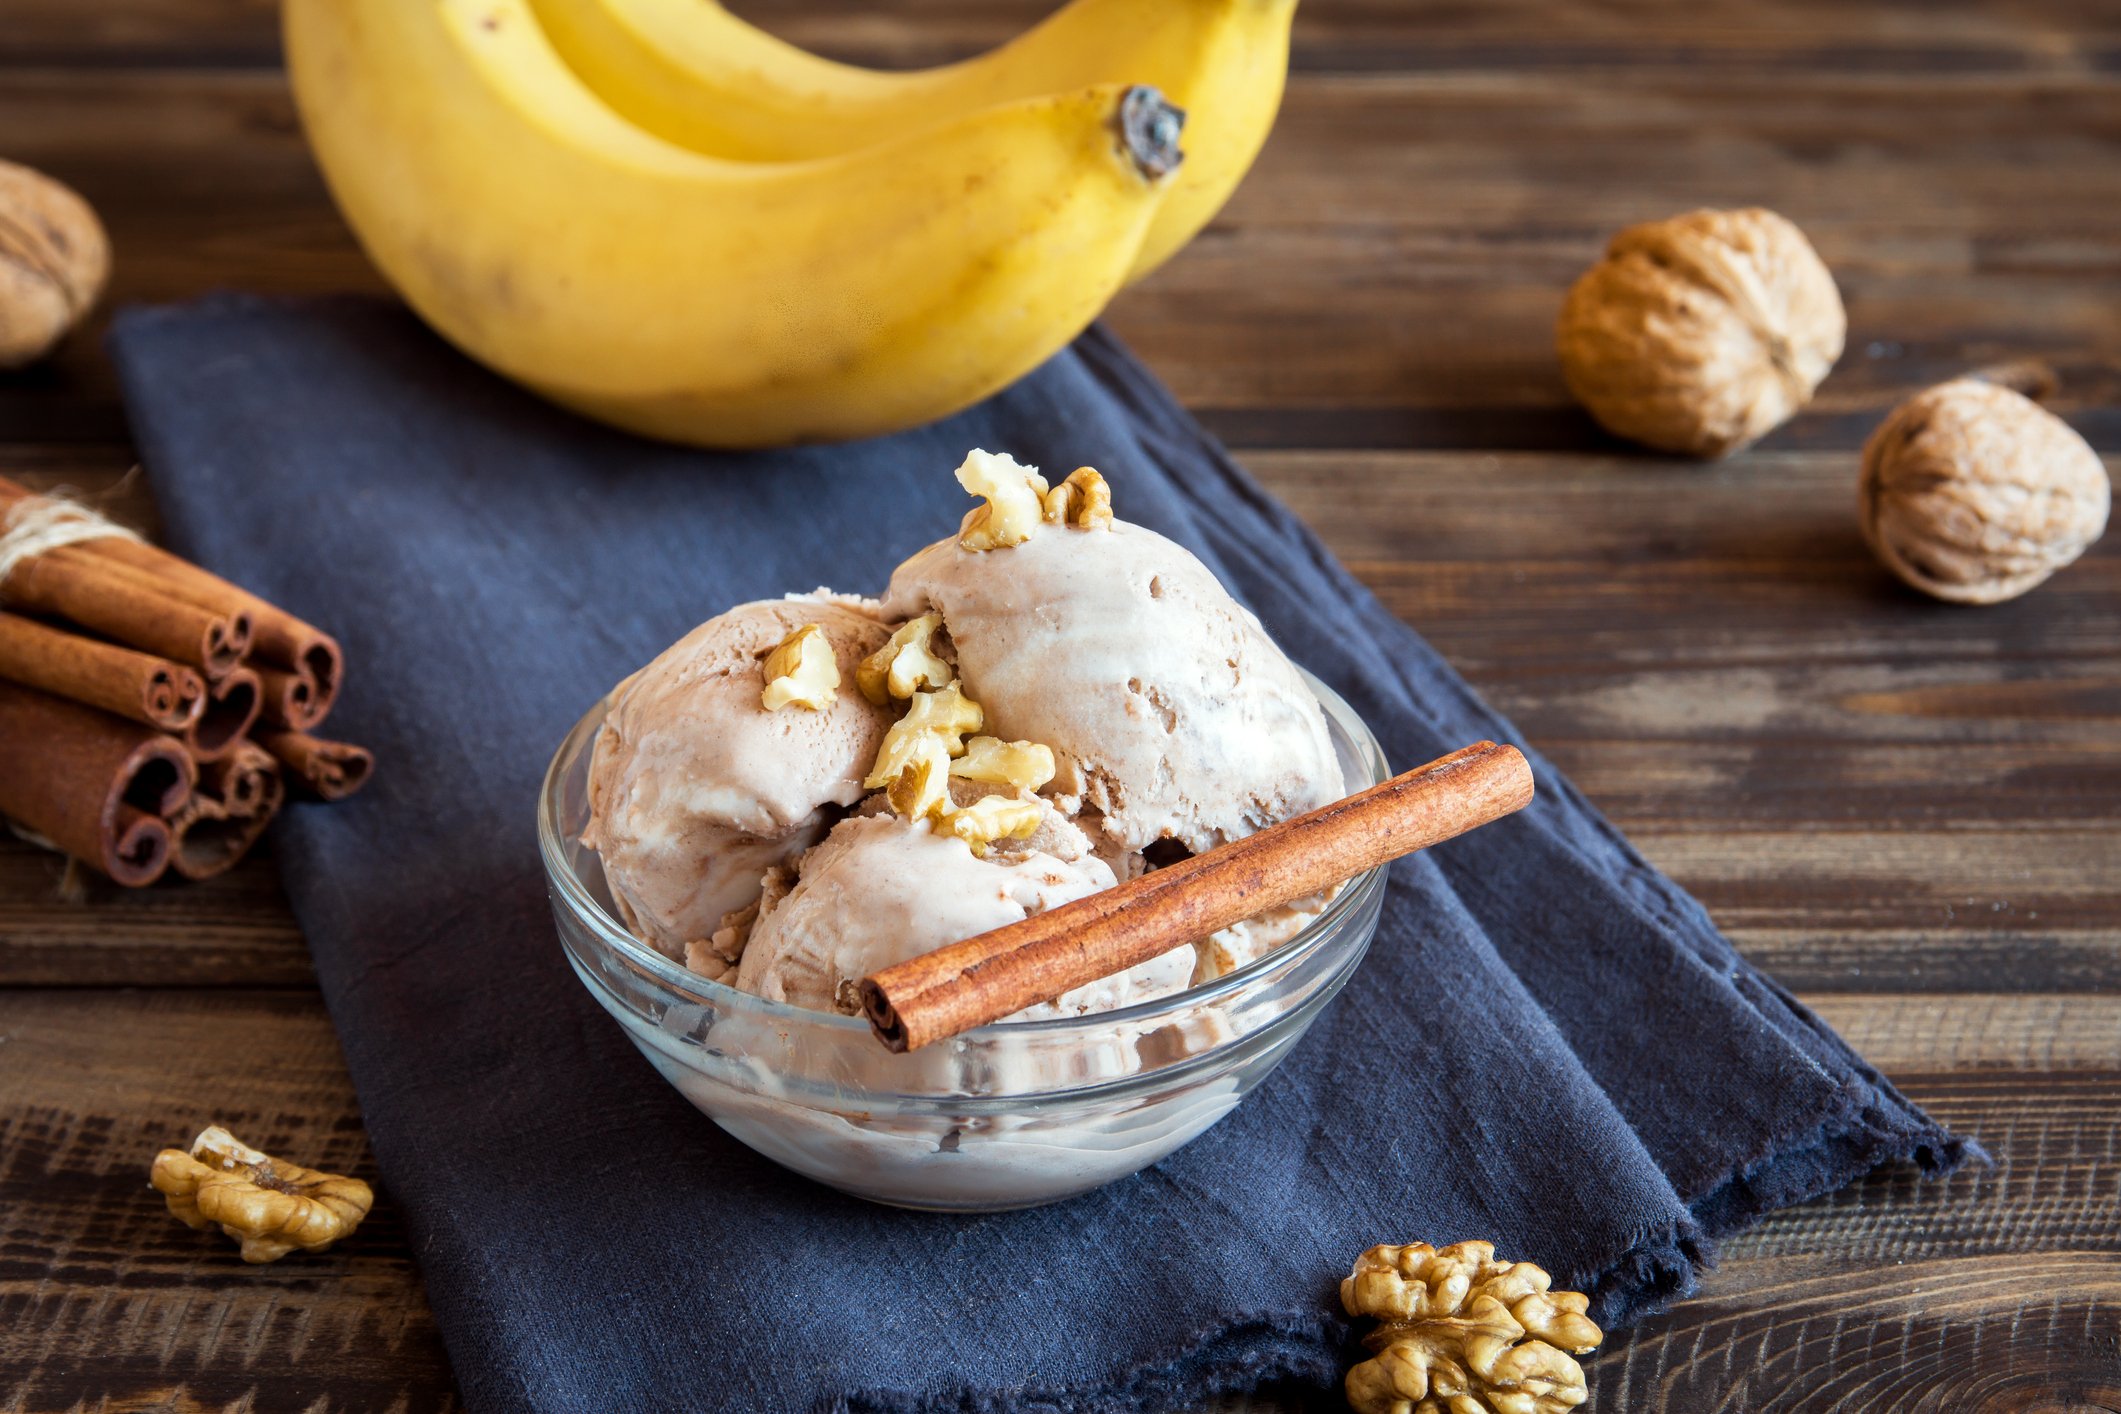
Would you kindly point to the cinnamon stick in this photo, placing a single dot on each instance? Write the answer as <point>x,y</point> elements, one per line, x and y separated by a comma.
<point>332,770</point>
<point>290,700</point>
<point>139,686</point>
<point>986,978</point>
<point>237,798</point>
<point>92,784</point>
<point>231,707</point>
<point>72,584</point>
<point>278,639</point>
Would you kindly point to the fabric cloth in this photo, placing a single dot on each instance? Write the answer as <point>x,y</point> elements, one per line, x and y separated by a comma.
<point>1549,1046</point>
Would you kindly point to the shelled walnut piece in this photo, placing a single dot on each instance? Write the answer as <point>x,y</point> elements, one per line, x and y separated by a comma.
<point>1974,493</point>
<point>1460,1332</point>
<point>1083,501</point>
<point>268,1205</point>
<point>1701,333</point>
<point>54,259</point>
<point>800,672</point>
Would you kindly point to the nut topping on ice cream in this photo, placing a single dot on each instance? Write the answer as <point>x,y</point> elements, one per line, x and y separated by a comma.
<point>922,785</point>
<point>1169,711</point>
<point>1015,501</point>
<point>800,673</point>
<point>994,817</point>
<point>1024,764</point>
<point>946,715</point>
<point>1083,501</point>
<point>904,665</point>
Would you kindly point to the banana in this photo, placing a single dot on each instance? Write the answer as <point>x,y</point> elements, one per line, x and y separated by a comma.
<point>701,300</point>
<point>695,74</point>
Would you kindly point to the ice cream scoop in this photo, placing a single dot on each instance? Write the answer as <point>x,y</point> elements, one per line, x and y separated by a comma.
<point>696,788</point>
<point>880,889</point>
<point>1170,713</point>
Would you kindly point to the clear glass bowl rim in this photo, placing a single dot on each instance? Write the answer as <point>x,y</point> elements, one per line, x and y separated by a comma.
<point>684,985</point>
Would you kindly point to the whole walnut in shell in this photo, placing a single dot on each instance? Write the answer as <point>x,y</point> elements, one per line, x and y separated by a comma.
<point>54,259</point>
<point>1975,493</point>
<point>1701,333</point>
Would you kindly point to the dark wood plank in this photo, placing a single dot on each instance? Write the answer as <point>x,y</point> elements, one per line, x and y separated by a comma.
<point>2015,1330</point>
<point>95,1082</point>
<point>1400,216</point>
<point>1804,36</point>
<point>108,1302</point>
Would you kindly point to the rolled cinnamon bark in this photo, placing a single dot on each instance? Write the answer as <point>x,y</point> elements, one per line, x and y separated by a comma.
<point>92,784</point>
<point>986,978</point>
<point>118,600</point>
<point>139,686</point>
<point>237,798</point>
<point>231,708</point>
<point>332,770</point>
<point>71,584</point>
<point>290,700</point>
<point>278,639</point>
<point>246,779</point>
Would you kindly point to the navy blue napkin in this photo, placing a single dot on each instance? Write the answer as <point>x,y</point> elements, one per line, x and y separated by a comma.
<point>1550,1045</point>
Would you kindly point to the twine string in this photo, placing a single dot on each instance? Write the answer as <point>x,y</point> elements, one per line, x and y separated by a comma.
<point>41,524</point>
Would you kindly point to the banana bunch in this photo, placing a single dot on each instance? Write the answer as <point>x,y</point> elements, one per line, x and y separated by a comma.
<point>652,213</point>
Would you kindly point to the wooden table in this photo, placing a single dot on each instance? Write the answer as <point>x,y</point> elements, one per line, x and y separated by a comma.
<point>1906,811</point>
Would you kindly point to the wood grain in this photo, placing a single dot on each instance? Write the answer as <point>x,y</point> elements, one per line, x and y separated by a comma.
<point>108,1301</point>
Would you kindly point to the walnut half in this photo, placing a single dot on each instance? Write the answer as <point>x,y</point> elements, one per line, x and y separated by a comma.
<point>1083,501</point>
<point>1460,1333</point>
<point>269,1205</point>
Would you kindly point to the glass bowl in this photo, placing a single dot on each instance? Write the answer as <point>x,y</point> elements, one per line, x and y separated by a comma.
<point>1005,1116</point>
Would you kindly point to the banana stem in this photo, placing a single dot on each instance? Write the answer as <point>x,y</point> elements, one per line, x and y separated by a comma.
<point>1149,126</point>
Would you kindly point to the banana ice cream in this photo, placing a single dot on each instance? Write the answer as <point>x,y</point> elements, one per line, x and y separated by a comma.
<point>881,889</point>
<point>1170,713</point>
<point>802,792</point>
<point>696,791</point>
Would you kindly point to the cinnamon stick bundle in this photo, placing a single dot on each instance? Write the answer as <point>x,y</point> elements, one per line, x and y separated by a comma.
<point>132,686</point>
<point>94,785</point>
<point>986,978</point>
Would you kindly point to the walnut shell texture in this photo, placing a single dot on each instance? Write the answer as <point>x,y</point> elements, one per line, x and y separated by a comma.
<point>1975,494</point>
<point>1701,333</point>
<point>1459,1332</point>
<point>54,259</point>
